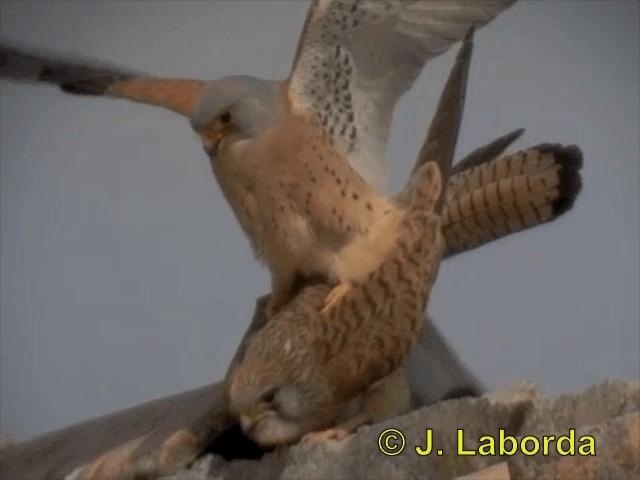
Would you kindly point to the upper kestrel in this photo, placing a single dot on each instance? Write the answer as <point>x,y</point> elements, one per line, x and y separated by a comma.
<point>302,161</point>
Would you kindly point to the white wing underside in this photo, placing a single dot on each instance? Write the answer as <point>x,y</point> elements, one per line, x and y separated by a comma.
<point>356,58</point>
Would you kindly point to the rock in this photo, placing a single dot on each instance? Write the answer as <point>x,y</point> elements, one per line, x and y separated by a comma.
<point>130,439</point>
<point>602,423</point>
<point>608,413</point>
<point>6,441</point>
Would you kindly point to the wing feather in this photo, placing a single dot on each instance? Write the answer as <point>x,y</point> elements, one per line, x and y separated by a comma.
<point>89,77</point>
<point>356,58</point>
<point>81,76</point>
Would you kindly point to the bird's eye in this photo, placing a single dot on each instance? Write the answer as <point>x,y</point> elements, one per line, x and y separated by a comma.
<point>225,117</point>
<point>269,395</point>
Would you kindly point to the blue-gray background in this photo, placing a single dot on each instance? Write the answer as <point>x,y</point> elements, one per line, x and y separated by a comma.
<point>124,276</point>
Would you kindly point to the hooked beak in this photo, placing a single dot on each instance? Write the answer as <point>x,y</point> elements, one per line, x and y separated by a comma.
<point>212,136</point>
<point>247,425</point>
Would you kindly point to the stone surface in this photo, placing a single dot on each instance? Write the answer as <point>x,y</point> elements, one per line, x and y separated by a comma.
<point>132,437</point>
<point>610,412</point>
<point>6,441</point>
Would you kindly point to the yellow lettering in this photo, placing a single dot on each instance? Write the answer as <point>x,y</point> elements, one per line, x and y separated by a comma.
<point>547,439</point>
<point>589,448</point>
<point>488,448</point>
<point>536,445</point>
<point>461,450</point>
<point>503,439</point>
<point>572,443</point>
<point>428,444</point>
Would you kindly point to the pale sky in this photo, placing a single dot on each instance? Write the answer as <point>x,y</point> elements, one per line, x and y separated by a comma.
<point>124,276</point>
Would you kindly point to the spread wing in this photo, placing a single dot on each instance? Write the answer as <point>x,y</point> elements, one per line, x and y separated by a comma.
<point>355,59</point>
<point>89,77</point>
<point>74,76</point>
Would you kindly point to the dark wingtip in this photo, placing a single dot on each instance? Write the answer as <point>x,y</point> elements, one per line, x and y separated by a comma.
<point>442,135</point>
<point>73,75</point>
<point>445,126</point>
<point>87,87</point>
<point>463,391</point>
<point>511,137</point>
<point>469,35</point>
<point>487,152</point>
<point>570,159</point>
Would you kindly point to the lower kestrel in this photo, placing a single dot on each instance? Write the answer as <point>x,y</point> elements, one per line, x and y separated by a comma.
<point>303,368</point>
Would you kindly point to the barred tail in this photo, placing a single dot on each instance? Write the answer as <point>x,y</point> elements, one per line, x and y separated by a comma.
<point>502,196</point>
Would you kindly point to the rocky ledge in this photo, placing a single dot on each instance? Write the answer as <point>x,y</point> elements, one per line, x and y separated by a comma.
<point>515,433</point>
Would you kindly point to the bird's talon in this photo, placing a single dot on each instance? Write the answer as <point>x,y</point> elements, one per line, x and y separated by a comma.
<point>334,297</point>
<point>315,438</point>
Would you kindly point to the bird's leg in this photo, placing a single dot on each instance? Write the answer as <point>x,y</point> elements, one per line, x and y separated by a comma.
<point>339,432</point>
<point>389,397</point>
<point>282,282</point>
<point>362,256</point>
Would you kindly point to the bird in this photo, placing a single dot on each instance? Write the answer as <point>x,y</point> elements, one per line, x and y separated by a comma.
<point>303,368</point>
<point>302,161</point>
<point>313,366</point>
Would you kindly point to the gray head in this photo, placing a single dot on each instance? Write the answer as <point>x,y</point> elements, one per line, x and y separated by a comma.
<point>240,106</point>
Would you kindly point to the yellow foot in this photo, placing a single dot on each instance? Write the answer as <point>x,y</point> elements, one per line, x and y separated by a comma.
<point>335,296</point>
<point>322,436</point>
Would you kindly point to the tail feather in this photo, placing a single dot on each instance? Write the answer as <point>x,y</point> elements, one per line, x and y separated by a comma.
<point>509,194</point>
<point>570,181</point>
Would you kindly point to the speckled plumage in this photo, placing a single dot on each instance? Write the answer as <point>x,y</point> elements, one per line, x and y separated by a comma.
<point>356,58</point>
<point>298,201</point>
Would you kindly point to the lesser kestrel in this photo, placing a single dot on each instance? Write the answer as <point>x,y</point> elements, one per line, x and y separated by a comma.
<point>301,161</point>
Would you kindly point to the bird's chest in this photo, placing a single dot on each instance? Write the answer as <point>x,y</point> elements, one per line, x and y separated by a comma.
<point>285,217</point>
<point>307,198</point>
